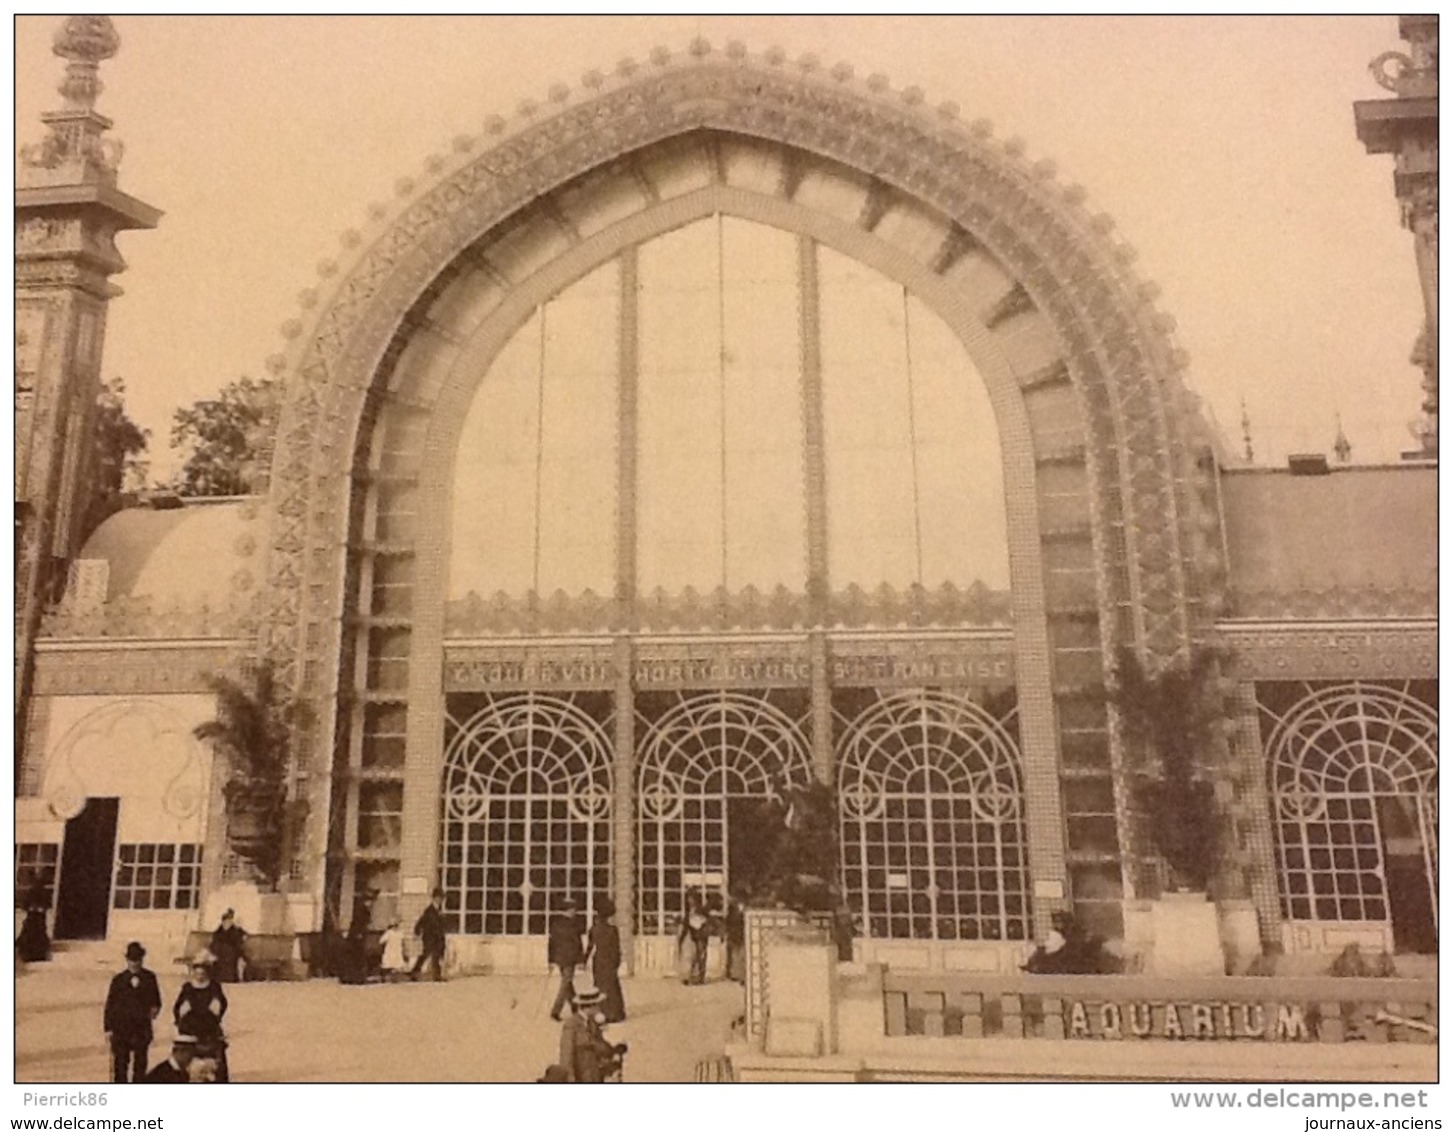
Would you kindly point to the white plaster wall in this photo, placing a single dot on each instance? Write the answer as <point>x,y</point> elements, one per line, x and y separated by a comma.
<point>137,749</point>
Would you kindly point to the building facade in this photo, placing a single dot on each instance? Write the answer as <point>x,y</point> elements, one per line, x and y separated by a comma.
<point>728,423</point>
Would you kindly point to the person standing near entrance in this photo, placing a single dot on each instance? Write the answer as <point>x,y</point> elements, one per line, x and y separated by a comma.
<point>430,930</point>
<point>604,953</point>
<point>33,944</point>
<point>565,952</point>
<point>132,1004</point>
<point>693,940</point>
<point>227,945</point>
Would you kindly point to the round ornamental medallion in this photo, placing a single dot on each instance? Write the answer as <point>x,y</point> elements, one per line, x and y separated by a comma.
<point>66,802</point>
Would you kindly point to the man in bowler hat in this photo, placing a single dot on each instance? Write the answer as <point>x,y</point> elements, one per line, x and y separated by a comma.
<point>565,952</point>
<point>132,1004</point>
<point>430,929</point>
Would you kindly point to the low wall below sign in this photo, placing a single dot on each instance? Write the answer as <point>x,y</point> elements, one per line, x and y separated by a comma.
<point>1134,1008</point>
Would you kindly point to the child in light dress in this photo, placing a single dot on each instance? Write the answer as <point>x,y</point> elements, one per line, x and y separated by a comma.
<point>393,964</point>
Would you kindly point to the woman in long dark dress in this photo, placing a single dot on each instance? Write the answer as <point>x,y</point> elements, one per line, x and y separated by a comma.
<point>200,1007</point>
<point>33,942</point>
<point>604,954</point>
<point>227,944</point>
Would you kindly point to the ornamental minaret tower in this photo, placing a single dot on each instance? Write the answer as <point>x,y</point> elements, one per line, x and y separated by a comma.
<point>1407,128</point>
<point>67,213</point>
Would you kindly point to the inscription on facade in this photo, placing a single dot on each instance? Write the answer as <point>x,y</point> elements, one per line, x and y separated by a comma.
<point>876,670</point>
<point>1226,1021</point>
<point>734,668</point>
<point>692,672</point>
<point>760,672</point>
<point>1337,654</point>
<point>489,675</point>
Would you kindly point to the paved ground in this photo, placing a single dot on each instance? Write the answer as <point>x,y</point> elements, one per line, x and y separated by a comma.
<point>484,1028</point>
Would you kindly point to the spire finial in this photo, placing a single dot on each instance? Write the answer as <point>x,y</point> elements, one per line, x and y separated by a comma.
<point>83,42</point>
<point>1341,447</point>
<point>1246,431</point>
<point>75,152</point>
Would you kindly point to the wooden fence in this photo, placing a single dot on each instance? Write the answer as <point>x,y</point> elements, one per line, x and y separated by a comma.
<point>1138,1008</point>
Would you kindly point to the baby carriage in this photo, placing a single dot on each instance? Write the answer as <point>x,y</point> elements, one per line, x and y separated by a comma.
<point>587,1056</point>
<point>613,1062</point>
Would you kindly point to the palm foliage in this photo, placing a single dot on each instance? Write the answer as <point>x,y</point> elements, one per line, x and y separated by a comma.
<point>1169,716</point>
<point>253,733</point>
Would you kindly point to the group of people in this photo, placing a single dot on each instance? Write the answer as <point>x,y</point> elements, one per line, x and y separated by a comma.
<point>1070,949</point>
<point>133,1004</point>
<point>571,945</point>
<point>693,940</point>
<point>362,962</point>
<point>586,1054</point>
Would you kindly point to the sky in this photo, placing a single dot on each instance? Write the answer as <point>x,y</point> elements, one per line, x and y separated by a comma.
<point>1223,148</point>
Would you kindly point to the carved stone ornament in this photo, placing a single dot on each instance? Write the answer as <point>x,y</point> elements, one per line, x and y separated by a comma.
<point>41,233</point>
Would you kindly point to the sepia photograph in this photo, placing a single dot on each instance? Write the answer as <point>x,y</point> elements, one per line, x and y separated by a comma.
<point>728,550</point>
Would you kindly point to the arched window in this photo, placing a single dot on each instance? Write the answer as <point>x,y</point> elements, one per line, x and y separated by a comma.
<point>716,311</point>
<point>527,812</point>
<point>933,833</point>
<point>698,758</point>
<point>1354,774</point>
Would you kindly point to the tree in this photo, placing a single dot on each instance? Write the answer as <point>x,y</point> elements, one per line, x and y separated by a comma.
<point>1169,716</point>
<point>253,733</point>
<point>225,439</point>
<point>116,465</point>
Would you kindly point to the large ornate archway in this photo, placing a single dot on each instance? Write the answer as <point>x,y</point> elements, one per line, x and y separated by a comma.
<point>1078,363</point>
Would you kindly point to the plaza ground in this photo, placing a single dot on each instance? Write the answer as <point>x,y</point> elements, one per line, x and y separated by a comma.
<point>496,1028</point>
<point>483,1028</point>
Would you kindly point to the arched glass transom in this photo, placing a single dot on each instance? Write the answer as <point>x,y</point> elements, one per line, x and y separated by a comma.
<point>933,833</point>
<point>714,317</point>
<point>697,759</point>
<point>527,812</point>
<point>1354,781</point>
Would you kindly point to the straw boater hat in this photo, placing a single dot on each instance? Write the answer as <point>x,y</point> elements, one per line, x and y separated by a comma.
<point>588,998</point>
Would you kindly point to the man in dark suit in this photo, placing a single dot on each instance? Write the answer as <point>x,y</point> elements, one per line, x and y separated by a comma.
<point>132,1004</point>
<point>566,951</point>
<point>173,1071</point>
<point>430,930</point>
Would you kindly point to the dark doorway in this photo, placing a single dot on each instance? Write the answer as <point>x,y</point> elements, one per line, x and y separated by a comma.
<point>86,858</point>
<point>1405,870</point>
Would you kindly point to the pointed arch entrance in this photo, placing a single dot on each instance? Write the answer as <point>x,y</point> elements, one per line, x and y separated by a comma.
<point>1077,362</point>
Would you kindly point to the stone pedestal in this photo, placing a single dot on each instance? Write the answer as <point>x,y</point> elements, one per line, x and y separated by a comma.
<point>1240,934</point>
<point>801,1000</point>
<point>302,912</point>
<point>1187,936</point>
<point>258,912</point>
